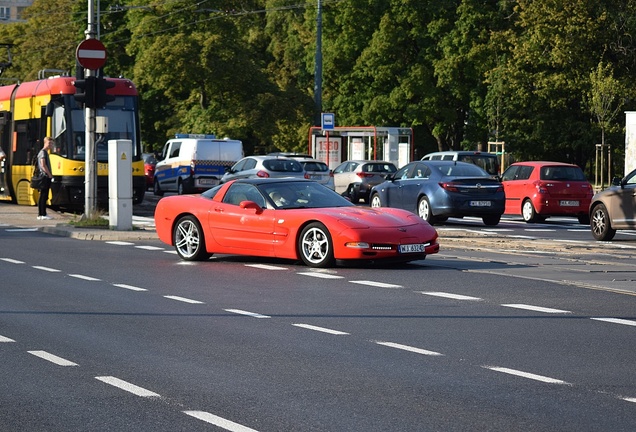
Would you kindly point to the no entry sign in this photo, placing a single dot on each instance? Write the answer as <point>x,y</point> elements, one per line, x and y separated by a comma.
<point>91,54</point>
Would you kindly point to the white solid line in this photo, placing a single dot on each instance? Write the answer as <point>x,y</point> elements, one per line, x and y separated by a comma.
<point>449,295</point>
<point>616,321</point>
<point>173,252</point>
<point>5,339</point>
<point>52,358</point>
<point>48,269</point>
<point>131,388</point>
<point>409,348</point>
<point>242,312</point>
<point>376,284</point>
<point>149,247</point>
<point>130,287</point>
<point>183,299</point>
<point>526,375</point>
<point>265,267</point>
<point>628,399</point>
<point>21,230</point>
<point>321,275</point>
<point>119,243</point>
<point>535,308</point>
<point>219,421</point>
<point>320,329</point>
<point>12,261</point>
<point>88,278</point>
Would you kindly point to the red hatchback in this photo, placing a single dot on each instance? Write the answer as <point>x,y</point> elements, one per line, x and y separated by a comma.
<point>537,190</point>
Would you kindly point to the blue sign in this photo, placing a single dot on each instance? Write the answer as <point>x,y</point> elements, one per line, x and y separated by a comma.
<point>328,121</point>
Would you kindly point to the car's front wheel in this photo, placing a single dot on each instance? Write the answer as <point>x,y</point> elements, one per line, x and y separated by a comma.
<point>156,189</point>
<point>600,223</point>
<point>315,246</point>
<point>528,212</point>
<point>189,240</point>
<point>376,201</point>
<point>424,210</point>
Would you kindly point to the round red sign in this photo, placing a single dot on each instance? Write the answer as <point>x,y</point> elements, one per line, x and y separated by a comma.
<point>91,54</point>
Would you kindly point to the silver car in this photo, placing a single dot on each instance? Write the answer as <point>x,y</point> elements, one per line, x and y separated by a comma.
<point>263,167</point>
<point>317,171</point>
<point>355,178</point>
<point>614,208</point>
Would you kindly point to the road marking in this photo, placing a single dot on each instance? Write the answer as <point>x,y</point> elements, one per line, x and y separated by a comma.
<point>21,230</point>
<point>616,321</point>
<point>266,267</point>
<point>528,375</point>
<point>628,399</point>
<point>88,278</point>
<point>183,299</point>
<point>242,312</point>
<point>376,284</point>
<point>450,296</point>
<point>409,348</point>
<point>535,308</point>
<point>48,269</point>
<point>119,243</point>
<point>129,287</point>
<point>5,339</point>
<point>152,248</point>
<point>219,421</point>
<point>52,358</point>
<point>131,388</point>
<point>539,230</point>
<point>12,261</point>
<point>320,329</point>
<point>321,275</point>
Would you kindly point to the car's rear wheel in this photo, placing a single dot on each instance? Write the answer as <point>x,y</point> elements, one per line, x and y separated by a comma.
<point>528,212</point>
<point>376,201</point>
<point>179,187</point>
<point>189,240</point>
<point>315,246</point>
<point>424,210</point>
<point>156,189</point>
<point>491,220</point>
<point>352,194</point>
<point>600,224</point>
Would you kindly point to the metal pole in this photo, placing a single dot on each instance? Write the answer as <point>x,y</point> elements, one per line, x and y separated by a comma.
<point>90,176</point>
<point>318,65</point>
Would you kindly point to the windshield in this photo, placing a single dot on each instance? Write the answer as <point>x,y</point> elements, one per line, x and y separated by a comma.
<point>290,195</point>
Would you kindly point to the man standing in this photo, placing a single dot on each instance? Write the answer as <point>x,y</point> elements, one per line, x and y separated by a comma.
<point>44,163</point>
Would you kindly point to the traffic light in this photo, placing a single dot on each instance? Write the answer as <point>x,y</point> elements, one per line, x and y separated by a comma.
<point>85,91</point>
<point>101,97</point>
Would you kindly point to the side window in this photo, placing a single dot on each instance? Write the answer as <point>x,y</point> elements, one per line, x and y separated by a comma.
<point>436,157</point>
<point>249,164</point>
<point>352,167</point>
<point>238,166</point>
<point>402,173</point>
<point>421,172</point>
<point>174,149</point>
<point>238,192</point>
<point>524,172</point>
<point>510,173</point>
<point>448,157</point>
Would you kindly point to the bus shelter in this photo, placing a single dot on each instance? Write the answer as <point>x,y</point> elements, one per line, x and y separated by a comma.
<point>342,143</point>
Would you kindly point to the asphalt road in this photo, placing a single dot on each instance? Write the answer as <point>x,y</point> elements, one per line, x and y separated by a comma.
<point>124,336</point>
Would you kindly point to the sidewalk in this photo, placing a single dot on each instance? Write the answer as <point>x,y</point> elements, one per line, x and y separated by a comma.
<point>26,217</point>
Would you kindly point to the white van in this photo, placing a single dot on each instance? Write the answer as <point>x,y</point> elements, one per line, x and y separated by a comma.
<point>193,163</point>
<point>484,160</point>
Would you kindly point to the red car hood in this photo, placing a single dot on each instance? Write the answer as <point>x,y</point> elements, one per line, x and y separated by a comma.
<point>366,217</point>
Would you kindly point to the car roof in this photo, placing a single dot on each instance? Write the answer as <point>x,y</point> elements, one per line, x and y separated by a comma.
<point>442,162</point>
<point>291,155</point>
<point>461,152</point>
<point>269,180</point>
<point>543,163</point>
<point>267,157</point>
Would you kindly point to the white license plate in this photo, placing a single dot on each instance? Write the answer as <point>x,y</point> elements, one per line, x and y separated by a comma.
<point>480,203</point>
<point>412,248</point>
<point>569,203</point>
<point>315,177</point>
<point>208,182</point>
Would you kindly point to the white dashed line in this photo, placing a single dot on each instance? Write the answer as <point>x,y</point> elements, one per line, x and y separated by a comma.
<point>130,287</point>
<point>48,269</point>
<point>616,321</point>
<point>219,421</point>
<point>266,267</point>
<point>320,329</point>
<point>151,248</point>
<point>183,299</point>
<point>131,388</point>
<point>409,348</point>
<point>12,261</point>
<point>376,284</point>
<point>52,358</point>
<point>242,312</point>
<point>119,243</point>
<point>522,374</point>
<point>21,230</point>
<point>629,399</point>
<point>321,275</point>
<point>536,308</point>
<point>5,339</point>
<point>88,278</point>
<point>450,295</point>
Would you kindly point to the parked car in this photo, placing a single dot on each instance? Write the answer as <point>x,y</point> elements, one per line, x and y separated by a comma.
<point>538,190</point>
<point>150,161</point>
<point>484,160</point>
<point>355,178</point>
<point>314,224</point>
<point>264,167</point>
<point>317,171</point>
<point>436,190</point>
<point>614,208</point>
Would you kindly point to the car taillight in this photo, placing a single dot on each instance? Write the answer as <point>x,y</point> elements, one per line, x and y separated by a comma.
<point>541,188</point>
<point>364,174</point>
<point>262,174</point>
<point>307,176</point>
<point>449,186</point>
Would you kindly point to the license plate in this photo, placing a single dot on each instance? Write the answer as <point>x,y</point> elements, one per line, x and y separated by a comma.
<point>569,203</point>
<point>315,177</point>
<point>208,182</point>
<point>480,203</point>
<point>412,248</point>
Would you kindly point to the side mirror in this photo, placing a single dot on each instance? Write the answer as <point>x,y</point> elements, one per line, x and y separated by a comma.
<point>251,205</point>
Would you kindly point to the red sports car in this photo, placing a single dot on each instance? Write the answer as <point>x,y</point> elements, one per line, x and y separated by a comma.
<point>291,219</point>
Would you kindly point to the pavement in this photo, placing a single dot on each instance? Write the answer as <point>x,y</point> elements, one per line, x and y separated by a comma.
<point>61,224</point>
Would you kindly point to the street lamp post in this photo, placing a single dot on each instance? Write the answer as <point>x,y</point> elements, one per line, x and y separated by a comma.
<point>318,66</point>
